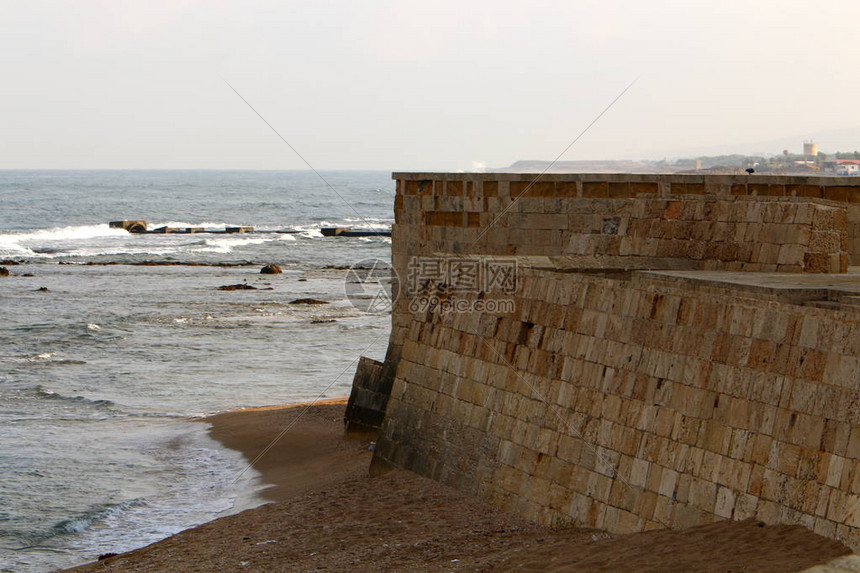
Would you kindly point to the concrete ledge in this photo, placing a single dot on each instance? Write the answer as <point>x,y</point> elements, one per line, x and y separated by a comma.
<point>783,287</point>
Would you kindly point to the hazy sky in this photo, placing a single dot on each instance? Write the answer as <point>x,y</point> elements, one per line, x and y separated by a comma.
<point>404,85</point>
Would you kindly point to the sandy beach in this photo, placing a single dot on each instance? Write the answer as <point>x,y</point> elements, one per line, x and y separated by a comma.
<point>310,455</point>
<point>328,515</point>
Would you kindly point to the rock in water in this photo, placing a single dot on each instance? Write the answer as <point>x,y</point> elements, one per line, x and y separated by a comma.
<point>270,270</point>
<point>237,287</point>
<point>307,301</point>
<point>4,272</point>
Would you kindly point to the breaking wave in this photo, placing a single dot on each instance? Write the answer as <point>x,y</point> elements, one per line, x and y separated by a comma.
<point>49,241</point>
<point>85,520</point>
<point>44,358</point>
<point>46,394</point>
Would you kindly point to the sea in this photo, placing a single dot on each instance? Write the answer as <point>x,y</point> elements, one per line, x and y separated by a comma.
<point>114,345</point>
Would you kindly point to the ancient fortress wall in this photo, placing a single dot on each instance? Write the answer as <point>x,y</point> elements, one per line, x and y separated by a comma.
<point>651,369</point>
<point>787,224</point>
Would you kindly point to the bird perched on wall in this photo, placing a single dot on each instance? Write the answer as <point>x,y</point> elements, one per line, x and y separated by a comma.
<point>749,170</point>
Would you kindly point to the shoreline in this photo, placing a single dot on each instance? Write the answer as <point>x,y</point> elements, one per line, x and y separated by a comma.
<point>302,441</point>
<point>326,513</point>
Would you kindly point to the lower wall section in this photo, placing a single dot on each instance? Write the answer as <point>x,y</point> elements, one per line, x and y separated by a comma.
<point>368,400</point>
<point>636,402</point>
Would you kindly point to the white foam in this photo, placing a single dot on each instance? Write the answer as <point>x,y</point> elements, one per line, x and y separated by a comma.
<point>64,233</point>
<point>184,224</point>
<point>225,245</point>
<point>311,231</point>
<point>89,241</point>
<point>17,244</point>
<point>371,223</point>
<point>37,358</point>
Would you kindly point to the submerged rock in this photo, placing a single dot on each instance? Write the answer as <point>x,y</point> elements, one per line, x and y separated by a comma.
<point>307,301</point>
<point>323,321</point>
<point>4,272</point>
<point>42,289</point>
<point>237,287</point>
<point>270,270</point>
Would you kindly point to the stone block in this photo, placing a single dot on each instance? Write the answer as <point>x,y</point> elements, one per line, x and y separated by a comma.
<point>595,189</point>
<point>668,482</point>
<point>725,503</point>
<point>838,509</point>
<point>825,241</point>
<point>745,506</point>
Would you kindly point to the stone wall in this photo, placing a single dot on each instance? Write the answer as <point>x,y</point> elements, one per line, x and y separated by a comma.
<point>637,402</point>
<point>629,399</point>
<point>798,224</point>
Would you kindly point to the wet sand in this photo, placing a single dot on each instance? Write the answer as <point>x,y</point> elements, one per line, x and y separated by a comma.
<point>328,515</point>
<point>306,447</point>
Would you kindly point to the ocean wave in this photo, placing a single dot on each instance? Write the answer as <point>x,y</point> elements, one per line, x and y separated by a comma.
<point>60,234</point>
<point>75,524</point>
<point>44,358</point>
<point>310,231</point>
<point>101,240</point>
<point>45,394</point>
<point>226,245</point>
<point>85,520</point>
<point>216,225</point>
<point>374,223</point>
<point>33,242</point>
<point>370,223</point>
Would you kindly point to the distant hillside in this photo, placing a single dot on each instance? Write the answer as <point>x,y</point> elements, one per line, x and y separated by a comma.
<point>829,141</point>
<point>729,164</point>
<point>586,166</point>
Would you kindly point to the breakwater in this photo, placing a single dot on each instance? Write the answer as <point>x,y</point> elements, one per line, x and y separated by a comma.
<point>140,227</point>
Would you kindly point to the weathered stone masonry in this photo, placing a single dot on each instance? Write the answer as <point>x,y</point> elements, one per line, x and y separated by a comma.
<point>625,398</point>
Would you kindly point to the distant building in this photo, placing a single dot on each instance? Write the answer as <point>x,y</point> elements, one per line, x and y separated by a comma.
<point>848,166</point>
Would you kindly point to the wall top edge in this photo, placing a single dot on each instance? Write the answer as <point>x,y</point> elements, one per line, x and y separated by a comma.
<point>629,177</point>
